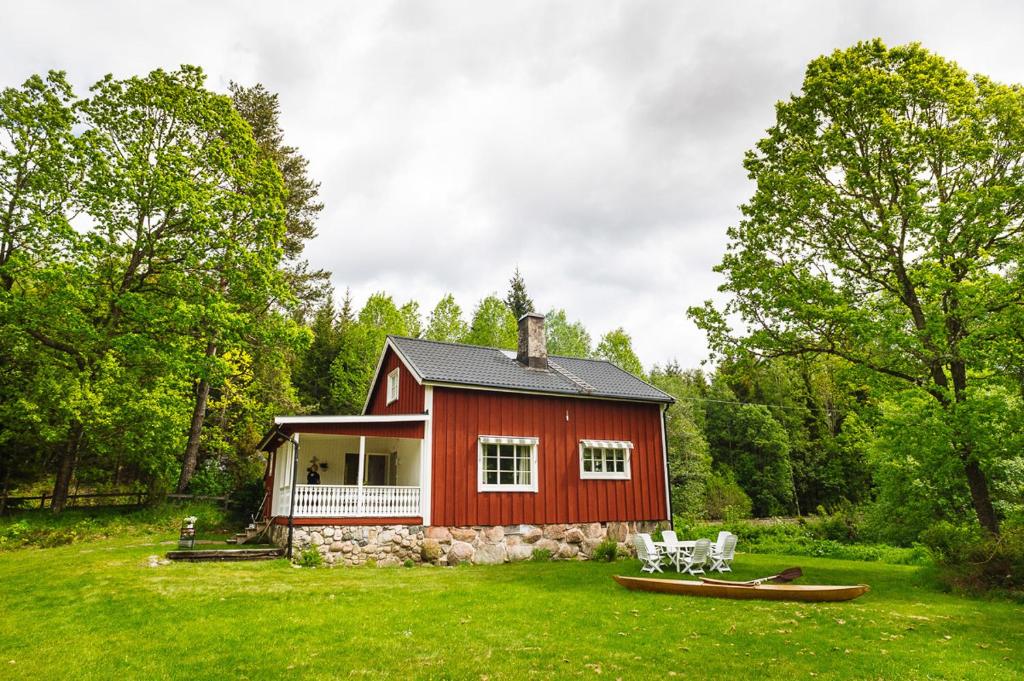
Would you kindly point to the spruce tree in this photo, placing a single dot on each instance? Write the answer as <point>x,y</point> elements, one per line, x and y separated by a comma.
<point>518,300</point>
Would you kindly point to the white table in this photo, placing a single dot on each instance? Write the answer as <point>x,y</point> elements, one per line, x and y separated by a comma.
<point>675,550</point>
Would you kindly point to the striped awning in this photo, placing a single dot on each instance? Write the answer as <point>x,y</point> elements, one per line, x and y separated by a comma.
<point>502,440</point>
<point>607,444</point>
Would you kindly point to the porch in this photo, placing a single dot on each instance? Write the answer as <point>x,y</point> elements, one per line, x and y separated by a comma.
<point>347,475</point>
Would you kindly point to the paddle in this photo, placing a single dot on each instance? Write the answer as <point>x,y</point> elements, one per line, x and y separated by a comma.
<point>785,576</point>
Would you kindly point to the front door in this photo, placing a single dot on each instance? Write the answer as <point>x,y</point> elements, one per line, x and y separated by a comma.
<point>376,469</point>
<point>376,472</point>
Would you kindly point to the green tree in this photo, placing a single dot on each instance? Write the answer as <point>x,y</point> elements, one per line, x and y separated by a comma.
<point>361,344</point>
<point>689,463</point>
<point>885,229</point>
<point>191,213</point>
<point>616,346</point>
<point>493,325</point>
<point>312,376</point>
<point>570,339</point>
<point>745,439</point>
<point>262,111</point>
<point>40,165</point>
<point>517,299</point>
<point>446,323</point>
<point>411,318</point>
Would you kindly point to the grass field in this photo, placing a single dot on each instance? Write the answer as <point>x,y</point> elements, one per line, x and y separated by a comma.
<point>95,610</point>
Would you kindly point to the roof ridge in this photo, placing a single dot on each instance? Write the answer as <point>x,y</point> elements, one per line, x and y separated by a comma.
<point>437,342</point>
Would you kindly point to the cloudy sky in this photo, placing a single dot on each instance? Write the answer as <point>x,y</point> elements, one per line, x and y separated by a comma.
<point>595,145</point>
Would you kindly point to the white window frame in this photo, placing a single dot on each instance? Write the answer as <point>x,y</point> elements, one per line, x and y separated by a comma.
<point>394,378</point>
<point>605,446</point>
<point>531,442</point>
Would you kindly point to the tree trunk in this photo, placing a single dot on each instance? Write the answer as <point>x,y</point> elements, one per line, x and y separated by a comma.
<point>66,468</point>
<point>977,481</point>
<point>980,497</point>
<point>188,464</point>
<point>7,489</point>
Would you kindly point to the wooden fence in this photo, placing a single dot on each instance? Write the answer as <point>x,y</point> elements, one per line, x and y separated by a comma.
<point>100,500</point>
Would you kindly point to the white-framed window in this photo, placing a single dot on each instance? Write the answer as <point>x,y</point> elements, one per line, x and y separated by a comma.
<point>605,460</point>
<point>393,385</point>
<point>506,464</point>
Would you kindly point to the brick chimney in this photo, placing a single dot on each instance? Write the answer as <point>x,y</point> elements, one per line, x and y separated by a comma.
<point>533,346</point>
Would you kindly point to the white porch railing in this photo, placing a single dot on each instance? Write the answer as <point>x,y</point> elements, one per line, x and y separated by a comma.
<point>346,501</point>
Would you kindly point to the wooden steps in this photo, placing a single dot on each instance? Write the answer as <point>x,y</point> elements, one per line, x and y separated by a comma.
<point>225,555</point>
<point>257,530</point>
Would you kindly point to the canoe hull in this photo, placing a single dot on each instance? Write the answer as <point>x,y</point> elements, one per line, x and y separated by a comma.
<point>767,592</point>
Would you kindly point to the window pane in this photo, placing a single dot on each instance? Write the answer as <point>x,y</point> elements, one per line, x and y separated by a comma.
<point>523,465</point>
<point>505,478</point>
<point>490,457</point>
<point>490,478</point>
<point>588,466</point>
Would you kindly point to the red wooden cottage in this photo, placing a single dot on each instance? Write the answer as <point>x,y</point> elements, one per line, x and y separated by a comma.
<point>467,453</point>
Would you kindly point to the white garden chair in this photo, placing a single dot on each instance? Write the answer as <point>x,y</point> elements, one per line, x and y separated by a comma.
<point>693,562</point>
<point>647,553</point>
<point>722,554</point>
<point>671,547</point>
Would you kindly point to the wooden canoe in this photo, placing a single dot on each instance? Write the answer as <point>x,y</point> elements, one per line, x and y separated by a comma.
<point>769,592</point>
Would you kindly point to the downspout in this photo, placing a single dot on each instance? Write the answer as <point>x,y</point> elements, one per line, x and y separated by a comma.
<point>664,454</point>
<point>291,506</point>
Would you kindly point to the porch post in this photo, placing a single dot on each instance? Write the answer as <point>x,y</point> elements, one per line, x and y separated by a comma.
<point>359,480</point>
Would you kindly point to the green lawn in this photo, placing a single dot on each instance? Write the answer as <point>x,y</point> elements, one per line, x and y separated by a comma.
<point>96,611</point>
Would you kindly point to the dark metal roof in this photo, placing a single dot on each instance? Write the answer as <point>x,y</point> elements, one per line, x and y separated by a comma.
<point>472,365</point>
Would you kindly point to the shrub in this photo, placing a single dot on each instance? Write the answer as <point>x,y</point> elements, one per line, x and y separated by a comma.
<point>798,539</point>
<point>971,561</point>
<point>725,498</point>
<point>843,525</point>
<point>608,551</point>
<point>310,558</point>
<point>408,563</point>
<point>541,555</point>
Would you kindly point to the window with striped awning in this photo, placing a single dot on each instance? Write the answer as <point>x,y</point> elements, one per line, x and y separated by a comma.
<point>605,459</point>
<point>506,464</point>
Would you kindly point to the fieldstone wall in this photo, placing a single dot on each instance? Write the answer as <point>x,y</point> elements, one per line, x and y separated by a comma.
<point>394,544</point>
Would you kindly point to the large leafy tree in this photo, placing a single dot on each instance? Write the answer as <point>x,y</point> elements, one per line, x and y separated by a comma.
<point>188,224</point>
<point>493,325</point>
<point>40,163</point>
<point>566,338</point>
<point>446,323</point>
<point>616,346</point>
<point>887,229</point>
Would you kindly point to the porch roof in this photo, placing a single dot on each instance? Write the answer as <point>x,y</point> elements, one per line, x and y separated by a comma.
<point>398,425</point>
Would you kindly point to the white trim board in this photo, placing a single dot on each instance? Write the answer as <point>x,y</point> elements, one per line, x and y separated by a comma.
<point>369,419</point>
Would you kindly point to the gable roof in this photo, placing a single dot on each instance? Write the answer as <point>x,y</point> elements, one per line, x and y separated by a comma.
<point>482,367</point>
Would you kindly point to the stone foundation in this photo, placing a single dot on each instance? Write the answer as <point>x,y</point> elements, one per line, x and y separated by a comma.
<point>394,544</point>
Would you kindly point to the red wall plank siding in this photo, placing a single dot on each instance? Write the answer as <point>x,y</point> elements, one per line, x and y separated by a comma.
<point>461,416</point>
<point>412,429</point>
<point>410,393</point>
